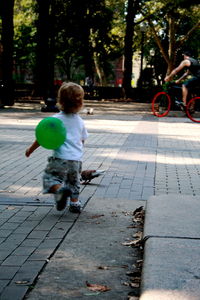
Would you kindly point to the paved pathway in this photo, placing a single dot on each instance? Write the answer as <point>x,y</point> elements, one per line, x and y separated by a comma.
<point>142,156</point>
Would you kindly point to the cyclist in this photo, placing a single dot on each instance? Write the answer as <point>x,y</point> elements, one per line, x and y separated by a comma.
<point>192,68</point>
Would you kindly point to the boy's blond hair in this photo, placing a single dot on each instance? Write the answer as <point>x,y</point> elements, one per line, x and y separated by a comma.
<point>70,97</point>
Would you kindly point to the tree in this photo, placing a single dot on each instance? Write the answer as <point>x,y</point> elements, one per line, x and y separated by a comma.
<point>24,39</point>
<point>78,40</point>
<point>42,50</point>
<point>174,21</point>
<point>132,10</point>
<point>6,9</point>
<point>85,41</point>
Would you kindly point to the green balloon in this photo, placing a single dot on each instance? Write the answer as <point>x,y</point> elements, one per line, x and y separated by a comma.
<point>50,133</point>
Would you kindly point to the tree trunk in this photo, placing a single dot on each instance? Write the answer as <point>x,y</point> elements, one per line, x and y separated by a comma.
<point>51,90</point>
<point>128,45</point>
<point>42,51</point>
<point>7,8</point>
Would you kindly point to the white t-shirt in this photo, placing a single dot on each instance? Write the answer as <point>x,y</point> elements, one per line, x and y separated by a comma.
<point>72,149</point>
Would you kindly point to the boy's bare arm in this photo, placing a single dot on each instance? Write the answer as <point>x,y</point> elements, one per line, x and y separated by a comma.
<point>32,148</point>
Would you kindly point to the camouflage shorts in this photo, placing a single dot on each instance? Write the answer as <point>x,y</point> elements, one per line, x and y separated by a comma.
<point>65,172</point>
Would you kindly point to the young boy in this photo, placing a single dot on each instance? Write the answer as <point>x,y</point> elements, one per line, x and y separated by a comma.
<point>62,173</point>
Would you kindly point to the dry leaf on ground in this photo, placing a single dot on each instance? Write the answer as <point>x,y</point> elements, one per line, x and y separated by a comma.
<point>139,209</point>
<point>103,267</point>
<point>97,287</point>
<point>96,216</point>
<point>135,284</point>
<point>22,282</point>
<point>138,235</point>
<point>132,243</point>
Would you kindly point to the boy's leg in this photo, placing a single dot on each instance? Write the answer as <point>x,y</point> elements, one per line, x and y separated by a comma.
<point>53,178</point>
<point>73,183</point>
<point>53,189</point>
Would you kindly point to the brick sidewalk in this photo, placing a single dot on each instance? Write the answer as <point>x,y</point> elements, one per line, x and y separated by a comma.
<point>142,156</point>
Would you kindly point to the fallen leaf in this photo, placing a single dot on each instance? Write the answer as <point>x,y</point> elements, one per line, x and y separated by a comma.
<point>126,283</point>
<point>23,282</point>
<point>97,287</point>
<point>133,273</point>
<point>139,263</point>
<point>131,243</point>
<point>126,213</point>
<point>11,207</point>
<point>96,216</point>
<point>124,266</point>
<point>103,267</point>
<point>138,215</point>
<point>131,226</point>
<point>139,209</point>
<point>135,279</point>
<point>134,284</point>
<point>138,234</point>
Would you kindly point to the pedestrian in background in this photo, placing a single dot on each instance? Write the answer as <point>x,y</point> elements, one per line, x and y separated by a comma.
<point>192,67</point>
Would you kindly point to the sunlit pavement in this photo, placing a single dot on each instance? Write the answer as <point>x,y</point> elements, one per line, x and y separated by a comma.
<point>143,157</point>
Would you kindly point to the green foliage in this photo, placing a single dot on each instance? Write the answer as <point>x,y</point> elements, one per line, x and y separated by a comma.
<point>24,37</point>
<point>85,37</point>
<point>172,21</point>
<point>90,36</point>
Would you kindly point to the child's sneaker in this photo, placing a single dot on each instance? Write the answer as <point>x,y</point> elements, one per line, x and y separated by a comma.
<point>61,198</point>
<point>75,207</point>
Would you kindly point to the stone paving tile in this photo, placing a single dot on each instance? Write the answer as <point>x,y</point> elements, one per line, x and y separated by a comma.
<point>7,272</point>
<point>15,260</point>
<point>14,292</point>
<point>3,284</point>
<point>33,235</point>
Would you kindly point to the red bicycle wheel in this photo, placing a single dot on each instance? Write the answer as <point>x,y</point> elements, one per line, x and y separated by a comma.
<point>193,109</point>
<point>161,104</point>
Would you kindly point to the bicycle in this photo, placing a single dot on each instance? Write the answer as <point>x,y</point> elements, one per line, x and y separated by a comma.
<point>164,101</point>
